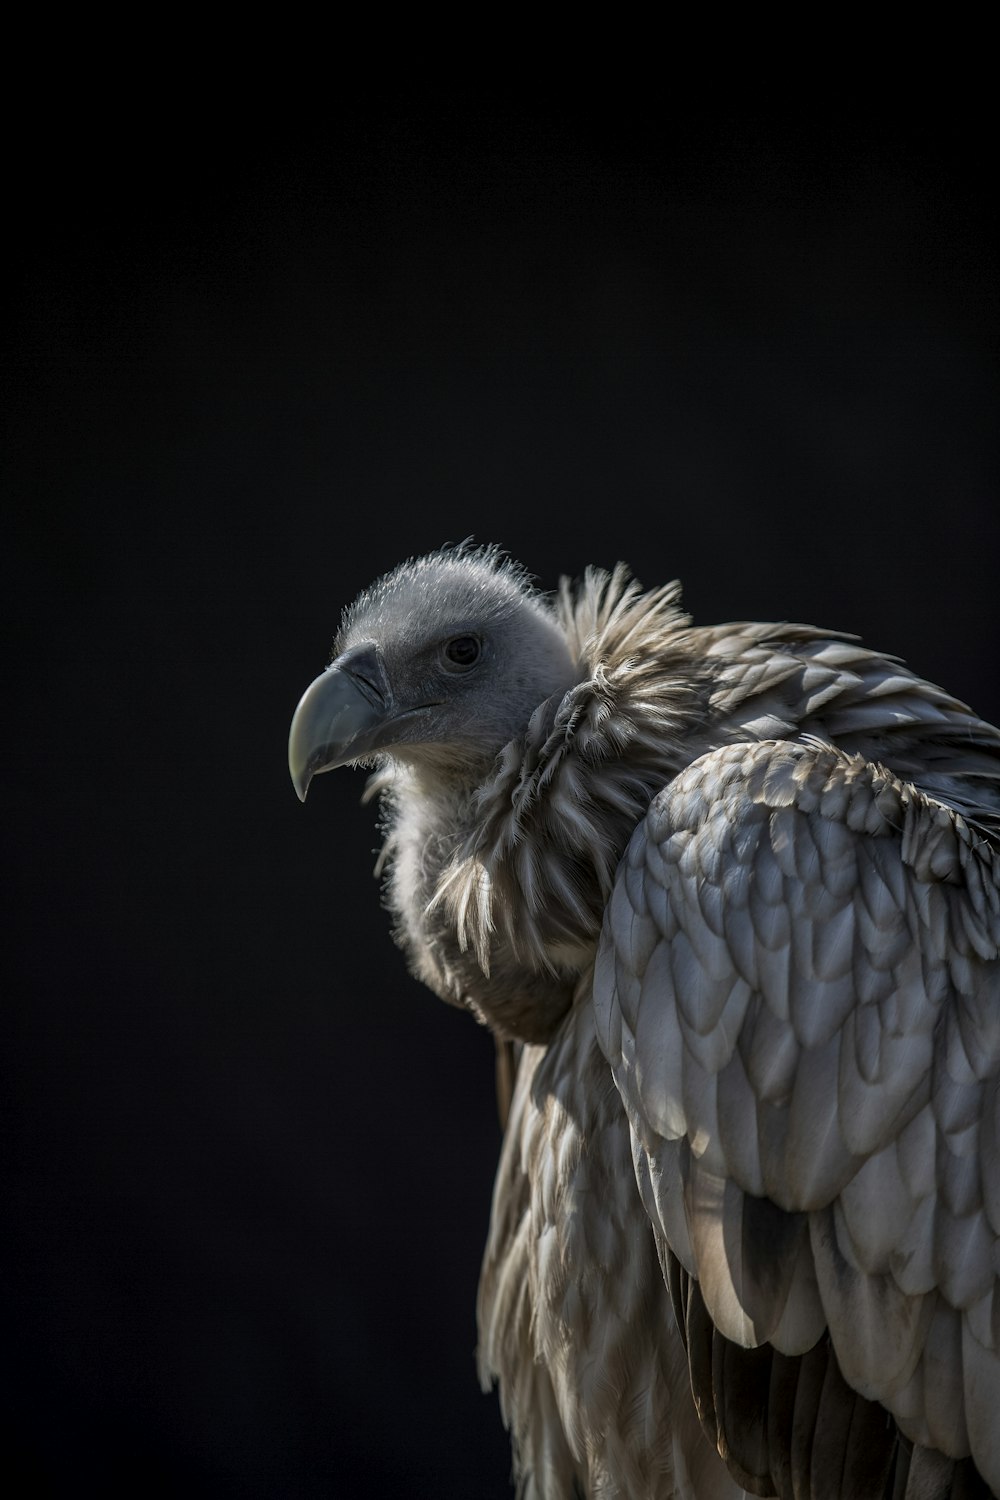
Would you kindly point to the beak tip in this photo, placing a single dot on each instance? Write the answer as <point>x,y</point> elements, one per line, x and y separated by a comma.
<point>300,781</point>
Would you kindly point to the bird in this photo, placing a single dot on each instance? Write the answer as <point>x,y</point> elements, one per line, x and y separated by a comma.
<point>728,898</point>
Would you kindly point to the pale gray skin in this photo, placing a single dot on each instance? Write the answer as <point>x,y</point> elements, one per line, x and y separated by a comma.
<point>445,719</point>
<point>770,1092</point>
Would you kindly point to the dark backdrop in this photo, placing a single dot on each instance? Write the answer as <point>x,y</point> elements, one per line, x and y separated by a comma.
<point>248,1160</point>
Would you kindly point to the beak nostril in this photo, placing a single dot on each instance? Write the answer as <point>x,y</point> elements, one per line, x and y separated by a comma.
<point>369,687</point>
<point>364,665</point>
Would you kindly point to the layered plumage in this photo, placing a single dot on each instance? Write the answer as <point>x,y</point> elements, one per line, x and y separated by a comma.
<point>734,893</point>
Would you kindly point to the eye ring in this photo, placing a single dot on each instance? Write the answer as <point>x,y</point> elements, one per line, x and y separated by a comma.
<point>462,653</point>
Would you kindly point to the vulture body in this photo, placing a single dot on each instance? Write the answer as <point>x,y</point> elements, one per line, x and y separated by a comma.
<point>731,896</point>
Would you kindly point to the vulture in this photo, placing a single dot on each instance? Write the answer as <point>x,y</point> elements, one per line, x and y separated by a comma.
<point>728,898</point>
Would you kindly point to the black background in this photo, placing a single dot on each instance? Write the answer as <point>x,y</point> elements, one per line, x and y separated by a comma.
<point>248,1160</point>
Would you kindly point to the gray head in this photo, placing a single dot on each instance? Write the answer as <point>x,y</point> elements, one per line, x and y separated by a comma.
<point>439,664</point>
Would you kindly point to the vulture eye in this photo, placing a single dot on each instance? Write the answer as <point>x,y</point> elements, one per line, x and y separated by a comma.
<point>462,653</point>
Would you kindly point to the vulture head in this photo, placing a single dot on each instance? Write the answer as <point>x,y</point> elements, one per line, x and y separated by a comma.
<point>438,665</point>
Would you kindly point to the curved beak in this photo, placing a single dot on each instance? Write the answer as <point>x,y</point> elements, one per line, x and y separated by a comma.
<point>341,716</point>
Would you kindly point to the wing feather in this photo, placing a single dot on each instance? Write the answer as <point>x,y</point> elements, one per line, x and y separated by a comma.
<point>798,992</point>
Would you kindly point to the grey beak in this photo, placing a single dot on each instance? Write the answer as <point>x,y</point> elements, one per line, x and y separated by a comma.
<point>340,715</point>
